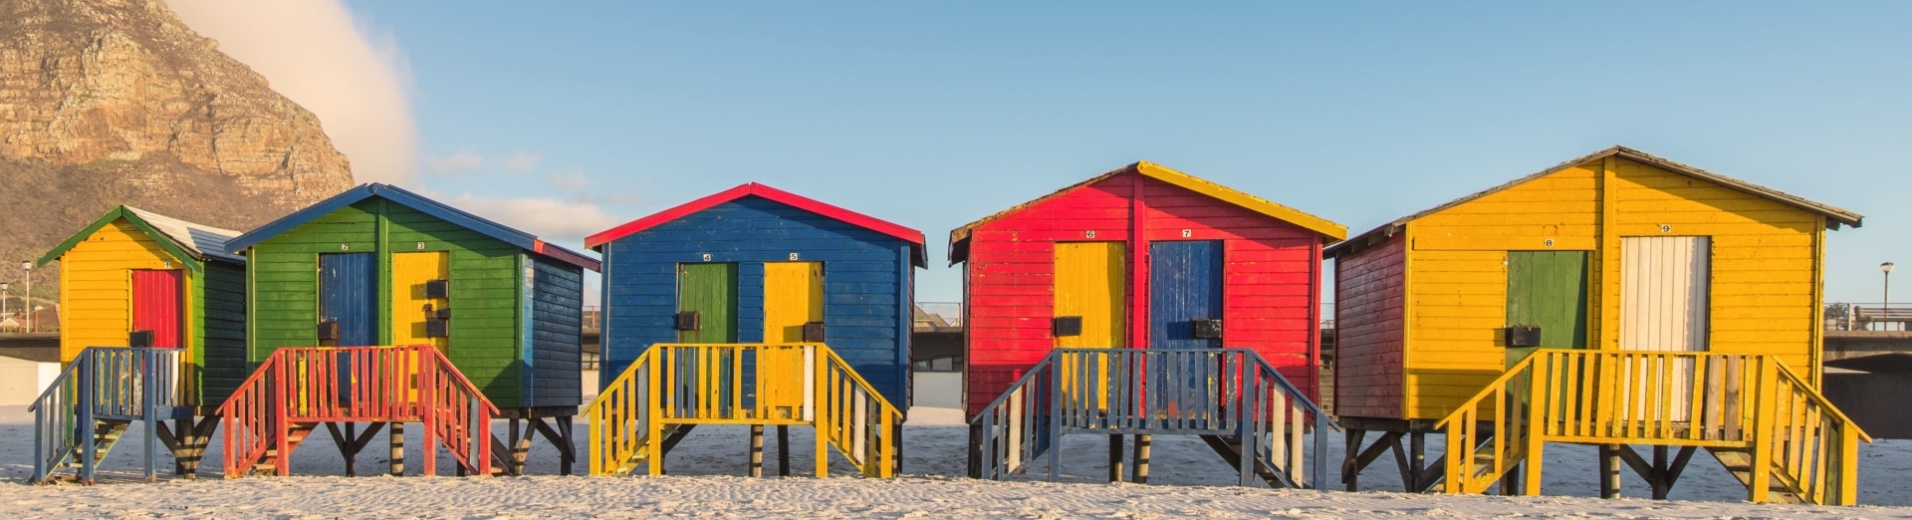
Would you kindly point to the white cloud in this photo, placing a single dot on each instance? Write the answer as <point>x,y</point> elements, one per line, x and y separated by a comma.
<point>571,181</point>
<point>558,221</point>
<point>454,164</point>
<point>313,51</point>
<point>522,162</point>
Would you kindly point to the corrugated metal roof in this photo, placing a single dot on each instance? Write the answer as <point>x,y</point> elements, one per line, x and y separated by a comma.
<point>1332,232</point>
<point>418,202</point>
<point>1835,214</point>
<point>201,240</point>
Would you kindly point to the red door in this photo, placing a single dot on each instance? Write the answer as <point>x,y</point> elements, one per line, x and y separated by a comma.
<point>156,305</point>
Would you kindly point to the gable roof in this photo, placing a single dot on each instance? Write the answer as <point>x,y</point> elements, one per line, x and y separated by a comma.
<point>1834,215</point>
<point>915,238</point>
<point>1328,229</point>
<point>180,238</point>
<point>523,240</point>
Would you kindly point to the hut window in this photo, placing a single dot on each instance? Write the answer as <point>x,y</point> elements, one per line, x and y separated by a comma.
<point>1066,326</point>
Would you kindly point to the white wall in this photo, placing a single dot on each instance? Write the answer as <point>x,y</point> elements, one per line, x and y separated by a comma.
<point>21,381</point>
<point>938,390</point>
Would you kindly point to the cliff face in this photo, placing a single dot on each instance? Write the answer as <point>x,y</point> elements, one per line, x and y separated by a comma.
<point>106,102</point>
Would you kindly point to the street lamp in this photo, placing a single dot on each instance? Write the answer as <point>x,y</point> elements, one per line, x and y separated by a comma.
<point>26,304</point>
<point>1886,299</point>
<point>3,301</point>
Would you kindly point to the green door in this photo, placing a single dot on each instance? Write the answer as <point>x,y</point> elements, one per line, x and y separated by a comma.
<point>710,290</point>
<point>1547,289</point>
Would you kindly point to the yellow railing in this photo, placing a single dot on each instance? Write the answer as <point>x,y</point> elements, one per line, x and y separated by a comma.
<point>1717,401</point>
<point>804,384</point>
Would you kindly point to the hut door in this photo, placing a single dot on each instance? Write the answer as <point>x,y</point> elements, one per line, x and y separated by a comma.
<point>1090,298</point>
<point>1548,290</point>
<point>792,313</point>
<point>157,305</point>
<point>417,316</point>
<point>707,303</point>
<point>1185,312</point>
<point>1664,283</point>
<point>1089,295</point>
<point>348,296</point>
<point>792,298</point>
<point>1185,295</point>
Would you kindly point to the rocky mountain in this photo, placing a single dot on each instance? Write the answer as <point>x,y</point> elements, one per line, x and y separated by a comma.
<point>106,102</point>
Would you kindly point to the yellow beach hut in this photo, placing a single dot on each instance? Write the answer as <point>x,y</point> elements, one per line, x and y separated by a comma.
<point>134,278</point>
<point>1617,299</point>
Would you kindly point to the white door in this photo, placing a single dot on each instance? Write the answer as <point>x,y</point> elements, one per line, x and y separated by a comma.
<point>1664,283</point>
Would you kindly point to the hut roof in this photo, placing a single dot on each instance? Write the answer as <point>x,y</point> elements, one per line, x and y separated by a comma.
<point>1835,215</point>
<point>915,238</point>
<point>959,237</point>
<point>181,238</point>
<point>483,226</point>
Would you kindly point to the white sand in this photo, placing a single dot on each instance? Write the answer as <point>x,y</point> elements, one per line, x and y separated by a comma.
<point>1188,480</point>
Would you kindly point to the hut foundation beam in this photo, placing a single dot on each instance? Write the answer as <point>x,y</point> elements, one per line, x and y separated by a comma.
<point>397,437</point>
<point>1142,449</point>
<point>1660,473</point>
<point>559,436</point>
<point>756,450</point>
<point>783,451</point>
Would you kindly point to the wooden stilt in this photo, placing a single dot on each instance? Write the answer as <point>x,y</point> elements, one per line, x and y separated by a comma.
<point>1510,483</point>
<point>1141,458</point>
<point>567,450</point>
<point>1115,458</point>
<point>756,450</point>
<point>1660,485</point>
<point>783,451</point>
<point>344,442</point>
<point>976,451</point>
<point>398,448</point>
<point>1417,458</point>
<point>1609,472</point>
<point>1350,461</point>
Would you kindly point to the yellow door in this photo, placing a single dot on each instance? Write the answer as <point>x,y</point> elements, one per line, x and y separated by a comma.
<point>1090,288</point>
<point>411,308</point>
<point>792,297</point>
<point>1089,285</point>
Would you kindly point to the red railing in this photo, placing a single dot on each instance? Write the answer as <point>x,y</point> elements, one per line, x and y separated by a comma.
<point>356,384</point>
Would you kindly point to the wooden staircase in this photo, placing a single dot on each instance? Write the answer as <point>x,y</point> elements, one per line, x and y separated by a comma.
<point>297,390</point>
<point>1770,428</point>
<point>84,413</point>
<point>1239,405</point>
<point>673,388</point>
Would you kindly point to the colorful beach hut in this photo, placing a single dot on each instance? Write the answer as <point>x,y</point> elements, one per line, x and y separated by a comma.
<point>1161,284</point>
<point>167,287</point>
<point>764,278</point>
<point>1616,299</point>
<point>379,265</point>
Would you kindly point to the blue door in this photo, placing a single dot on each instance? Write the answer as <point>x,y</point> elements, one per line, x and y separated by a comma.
<point>1185,285</point>
<point>348,293</point>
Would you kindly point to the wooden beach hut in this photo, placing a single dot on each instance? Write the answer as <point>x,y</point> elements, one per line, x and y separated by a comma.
<point>379,265</point>
<point>1142,273</point>
<point>765,278</point>
<point>134,278</point>
<point>1616,299</point>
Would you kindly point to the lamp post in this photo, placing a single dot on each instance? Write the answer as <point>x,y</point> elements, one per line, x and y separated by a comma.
<point>26,303</point>
<point>1885,300</point>
<point>3,301</point>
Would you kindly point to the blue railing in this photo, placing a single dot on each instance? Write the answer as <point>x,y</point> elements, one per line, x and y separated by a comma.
<point>1218,392</point>
<point>104,384</point>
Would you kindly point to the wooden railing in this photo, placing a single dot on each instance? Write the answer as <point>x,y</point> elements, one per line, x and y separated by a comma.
<point>744,384</point>
<point>1699,399</point>
<point>356,384</point>
<point>103,384</point>
<point>1221,392</point>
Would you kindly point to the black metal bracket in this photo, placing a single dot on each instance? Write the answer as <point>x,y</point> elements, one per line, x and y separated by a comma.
<point>1066,326</point>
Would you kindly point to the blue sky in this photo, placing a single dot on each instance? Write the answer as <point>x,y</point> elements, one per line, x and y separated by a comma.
<point>934,114</point>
